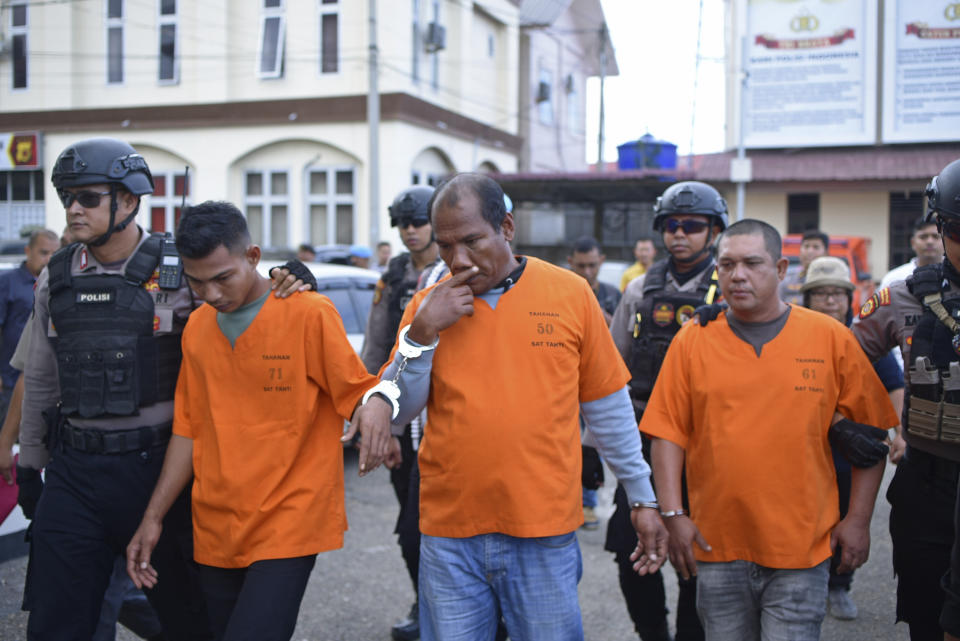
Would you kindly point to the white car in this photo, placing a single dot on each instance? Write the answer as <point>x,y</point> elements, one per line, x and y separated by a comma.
<point>351,290</point>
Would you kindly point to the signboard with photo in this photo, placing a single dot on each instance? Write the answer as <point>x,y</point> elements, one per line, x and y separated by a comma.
<point>921,61</point>
<point>811,73</point>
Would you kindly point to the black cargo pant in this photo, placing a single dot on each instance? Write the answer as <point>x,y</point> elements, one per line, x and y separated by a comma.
<point>90,507</point>
<point>922,496</point>
<point>645,596</point>
<point>406,485</point>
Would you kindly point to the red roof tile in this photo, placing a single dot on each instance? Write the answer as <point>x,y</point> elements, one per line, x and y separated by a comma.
<point>809,165</point>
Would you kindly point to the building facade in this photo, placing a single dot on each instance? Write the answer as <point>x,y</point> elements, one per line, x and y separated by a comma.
<point>845,109</point>
<point>264,100</point>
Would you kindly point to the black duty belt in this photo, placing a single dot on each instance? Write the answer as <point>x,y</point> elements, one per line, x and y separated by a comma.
<point>114,441</point>
<point>932,464</point>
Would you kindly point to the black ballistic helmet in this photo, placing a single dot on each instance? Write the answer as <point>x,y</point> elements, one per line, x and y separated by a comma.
<point>411,205</point>
<point>104,161</point>
<point>690,197</point>
<point>943,193</point>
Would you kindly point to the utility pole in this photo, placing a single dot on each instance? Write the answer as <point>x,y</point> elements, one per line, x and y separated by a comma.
<point>373,122</point>
<point>603,72</point>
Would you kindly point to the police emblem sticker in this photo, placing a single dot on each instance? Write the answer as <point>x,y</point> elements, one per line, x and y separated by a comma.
<point>875,302</point>
<point>955,341</point>
<point>663,314</point>
<point>684,314</point>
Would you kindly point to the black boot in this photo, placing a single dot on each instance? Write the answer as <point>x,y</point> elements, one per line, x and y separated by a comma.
<point>659,633</point>
<point>408,628</point>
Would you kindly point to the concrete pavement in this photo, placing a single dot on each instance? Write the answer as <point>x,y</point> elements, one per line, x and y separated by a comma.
<point>358,592</point>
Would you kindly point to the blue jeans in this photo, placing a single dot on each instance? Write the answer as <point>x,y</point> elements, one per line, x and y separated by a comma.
<point>589,498</point>
<point>743,601</point>
<point>466,584</point>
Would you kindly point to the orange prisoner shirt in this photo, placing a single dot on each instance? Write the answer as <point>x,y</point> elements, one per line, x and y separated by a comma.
<point>759,468</point>
<point>501,449</point>
<point>266,419</point>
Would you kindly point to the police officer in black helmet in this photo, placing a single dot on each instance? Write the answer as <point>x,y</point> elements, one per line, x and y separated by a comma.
<point>409,213</point>
<point>690,215</point>
<point>98,403</point>
<point>920,316</point>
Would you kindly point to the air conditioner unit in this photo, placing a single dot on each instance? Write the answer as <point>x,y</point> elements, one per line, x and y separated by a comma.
<point>436,39</point>
<point>543,92</point>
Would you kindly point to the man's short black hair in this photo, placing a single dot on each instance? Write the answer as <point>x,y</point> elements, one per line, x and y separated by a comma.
<point>585,245</point>
<point>816,234</point>
<point>750,226</point>
<point>306,247</point>
<point>922,223</point>
<point>383,243</point>
<point>206,226</point>
<point>487,191</point>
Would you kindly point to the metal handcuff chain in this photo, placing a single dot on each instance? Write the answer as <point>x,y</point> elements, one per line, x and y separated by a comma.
<point>390,389</point>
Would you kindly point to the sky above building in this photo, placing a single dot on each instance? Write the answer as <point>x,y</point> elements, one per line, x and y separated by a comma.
<point>660,88</point>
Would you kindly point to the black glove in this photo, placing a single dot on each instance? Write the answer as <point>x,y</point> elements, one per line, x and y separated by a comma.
<point>706,313</point>
<point>299,270</point>
<point>592,475</point>
<point>860,444</point>
<point>31,487</point>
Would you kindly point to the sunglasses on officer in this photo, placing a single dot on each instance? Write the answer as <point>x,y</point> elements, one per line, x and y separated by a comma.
<point>688,226</point>
<point>86,198</point>
<point>406,221</point>
<point>950,229</point>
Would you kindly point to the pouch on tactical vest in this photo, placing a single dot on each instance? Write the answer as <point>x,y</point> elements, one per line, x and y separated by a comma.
<point>933,405</point>
<point>109,361</point>
<point>659,318</point>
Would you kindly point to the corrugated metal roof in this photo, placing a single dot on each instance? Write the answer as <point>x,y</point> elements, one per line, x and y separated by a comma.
<point>830,165</point>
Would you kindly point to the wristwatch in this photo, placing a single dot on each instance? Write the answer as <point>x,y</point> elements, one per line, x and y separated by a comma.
<point>389,390</point>
<point>413,351</point>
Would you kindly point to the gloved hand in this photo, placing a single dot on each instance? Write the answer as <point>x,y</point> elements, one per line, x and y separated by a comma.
<point>860,444</point>
<point>592,474</point>
<point>31,487</point>
<point>706,313</point>
<point>302,272</point>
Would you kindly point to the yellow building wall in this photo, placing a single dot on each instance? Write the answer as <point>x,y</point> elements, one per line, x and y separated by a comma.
<point>861,213</point>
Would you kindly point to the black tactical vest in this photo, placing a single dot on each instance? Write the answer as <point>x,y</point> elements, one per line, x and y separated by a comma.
<point>402,290</point>
<point>110,363</point>
<point>658,319</point>
<point>933,405</point>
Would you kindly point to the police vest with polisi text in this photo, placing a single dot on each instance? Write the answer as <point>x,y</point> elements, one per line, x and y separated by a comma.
<point>933,405</point>
<point>401,291</point>
<point>659,317</point>
<point>109,360</point>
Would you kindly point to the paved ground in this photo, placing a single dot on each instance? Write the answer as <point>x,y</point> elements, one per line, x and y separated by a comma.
<point>356,593</point>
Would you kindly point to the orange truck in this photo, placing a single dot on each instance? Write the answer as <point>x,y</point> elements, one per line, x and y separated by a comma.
<point>853,250</point>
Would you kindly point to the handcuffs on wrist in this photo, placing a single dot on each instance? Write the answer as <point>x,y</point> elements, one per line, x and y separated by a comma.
<point>389,389</point>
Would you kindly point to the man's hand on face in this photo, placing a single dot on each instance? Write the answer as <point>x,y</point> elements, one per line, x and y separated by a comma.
<point>444,305</point>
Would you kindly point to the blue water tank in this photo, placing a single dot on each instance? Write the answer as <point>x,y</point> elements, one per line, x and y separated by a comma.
<point>647,153</point>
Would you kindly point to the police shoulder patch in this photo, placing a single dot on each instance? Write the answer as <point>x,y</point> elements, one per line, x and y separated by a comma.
<point>875,302</point>
<point>378,292</point>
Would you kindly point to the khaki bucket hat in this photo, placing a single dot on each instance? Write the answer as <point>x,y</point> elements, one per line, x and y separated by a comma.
<point>827,271</point>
